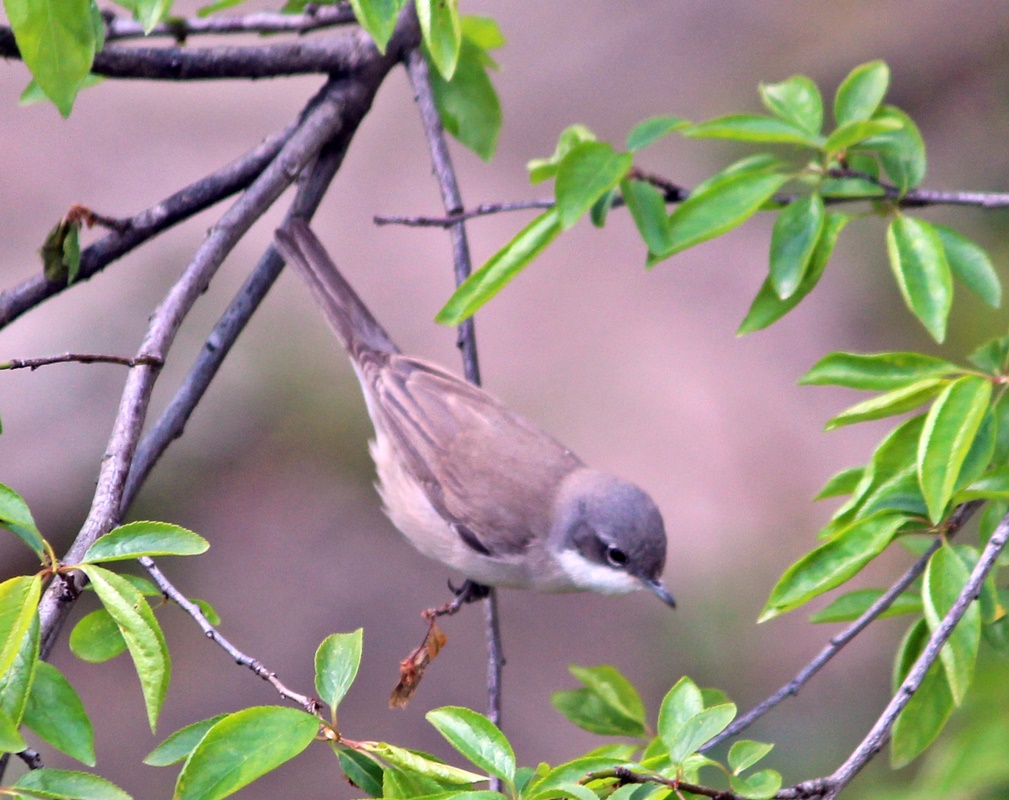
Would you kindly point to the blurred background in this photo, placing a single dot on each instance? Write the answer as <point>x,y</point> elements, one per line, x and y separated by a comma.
<point>639,372</point>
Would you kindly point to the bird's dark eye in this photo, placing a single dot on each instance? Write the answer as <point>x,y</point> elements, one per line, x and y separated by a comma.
<point>616,556</point>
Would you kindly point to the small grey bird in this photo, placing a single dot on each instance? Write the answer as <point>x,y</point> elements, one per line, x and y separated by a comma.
<point>474,485</point>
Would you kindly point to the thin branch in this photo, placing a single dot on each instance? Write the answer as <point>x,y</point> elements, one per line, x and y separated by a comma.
<point>626,775</point>
<point>310,704</point>
<point>317,127</point>
<point>148,223</point>
<point>420,80</point>
<point>314,18</point>
<point>956,521</point>
<point>880,732</point>
<point>80,358</point>
<point>923,197</point>
<point>453,219</point>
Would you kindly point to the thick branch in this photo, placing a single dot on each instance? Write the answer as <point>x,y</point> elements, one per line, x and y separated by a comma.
<point>334,55</point>
<point>148,223</point>
<point>117,28</point>
<point>318,126</point>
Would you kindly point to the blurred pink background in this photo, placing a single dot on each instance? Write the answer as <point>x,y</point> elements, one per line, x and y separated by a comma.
<point>638,372</point>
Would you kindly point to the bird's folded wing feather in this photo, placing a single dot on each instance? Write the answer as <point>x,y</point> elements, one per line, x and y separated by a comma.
<point>492,474</point>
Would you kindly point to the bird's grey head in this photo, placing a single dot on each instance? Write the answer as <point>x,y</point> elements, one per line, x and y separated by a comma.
<point>608,535</point>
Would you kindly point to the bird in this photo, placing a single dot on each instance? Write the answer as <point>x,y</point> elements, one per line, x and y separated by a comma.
<point>472,484</point>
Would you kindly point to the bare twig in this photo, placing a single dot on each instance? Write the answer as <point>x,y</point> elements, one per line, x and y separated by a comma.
<point>310,704</point>
<point>148,223</point>
<point>880,732</point>
<point>80,358</point>
<point>923,197</point>
<point>956,521</point>
<point>452,219</point>
<point>420,80</point>
<point>626,775</point>
<point>317,17</point>
<point>317,127</point>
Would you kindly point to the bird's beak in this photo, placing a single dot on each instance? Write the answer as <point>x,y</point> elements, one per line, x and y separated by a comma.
<point>660,591</point>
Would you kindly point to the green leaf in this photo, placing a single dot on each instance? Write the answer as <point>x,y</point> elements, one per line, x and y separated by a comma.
<point>477,738</point>
<point>842,483</point>
<point>19,600</point>
<point>468,104</point>
<point>853,133</point>
<point>483,32</point>
<point>613,688</point>
<point>767,307</point>
<point>72,253</point>
<point>793,239</point>
<point>876,371</point>
<point>945,577</point>
<point>570,772</point>
<point>851,606</point>
<point>928,709</point>
<point>902,151</point>
<point>796,100</point>
<point>950,428</point>
<point>861,92</point>
<point>832,563</point>
<point>96,638</point>
<point>890,481</point>
<point>991,356</point>
<point>919,264</point>
<point>504,265</point>
<point>601,208</point>
<point>421,765</point>
<point>136,539</point>
<point>696,730</point>
<point>398,783</point>
<point>16,682</point>
<point>648,210</point>
<point>442,32</point>
<point>894,402</point>
<point>585,174</point>
<point>590,712</point>
<point>242,747</point>
<point>682,701</point>
<point>10,737</point>
<point>979,455</point>
<point>722,206</point>
<point>136,623</point>
<point>541,169</point>
<point>150,12</point>
<point>57,42</point>
<point>650,130</point>
<point>752,128</point>
<point>745,753</point>
<point>55,712</point>
<point>69,785</point>
<point>761,785</point>
<point>180,744</point>
<point>761,163</point>
<point>213,8</point>
<point>16,517</point>
<point>361,770</point>
<point>993,485</point>
<point>971,265</point>
<point>336,664</point>
<point>378,18</point>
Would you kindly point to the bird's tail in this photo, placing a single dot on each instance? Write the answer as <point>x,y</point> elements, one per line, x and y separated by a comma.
<point>350,317</point>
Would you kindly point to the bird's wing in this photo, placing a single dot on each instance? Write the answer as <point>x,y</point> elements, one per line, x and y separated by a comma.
<point>492,474</point>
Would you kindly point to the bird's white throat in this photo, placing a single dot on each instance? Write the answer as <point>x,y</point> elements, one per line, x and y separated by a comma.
<point>595,577</point>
